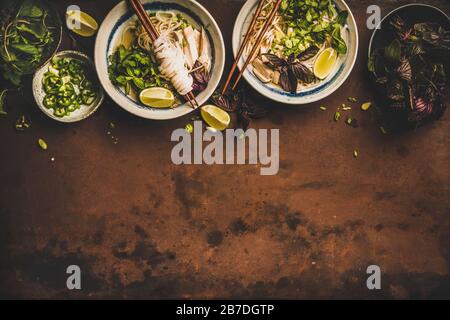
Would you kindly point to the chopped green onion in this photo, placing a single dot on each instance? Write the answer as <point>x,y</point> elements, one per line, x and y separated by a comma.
<point>337,116</point>
<point>42,144</point>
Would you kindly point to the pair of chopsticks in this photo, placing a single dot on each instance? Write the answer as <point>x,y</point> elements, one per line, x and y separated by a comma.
<point>248,35</point>
<point>154,34</point>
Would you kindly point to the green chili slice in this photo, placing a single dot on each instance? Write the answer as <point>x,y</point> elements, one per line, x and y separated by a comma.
<point>67,87</point>
<point>60,112</point>
<point>50,101</point>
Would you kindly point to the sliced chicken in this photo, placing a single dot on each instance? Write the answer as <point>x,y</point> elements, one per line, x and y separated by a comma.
<point>263,72</point>
<point>172,64</point>
<point>192,44</point>
<point>203,50</point>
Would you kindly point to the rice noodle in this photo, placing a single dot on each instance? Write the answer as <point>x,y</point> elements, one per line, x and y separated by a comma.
<point>165,23</point>
<point>269,37</point>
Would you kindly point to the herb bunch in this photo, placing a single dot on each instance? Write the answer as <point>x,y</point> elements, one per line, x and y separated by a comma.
<point>133,69</point>
<point>236,102</point>
<point>26,39</point>
<point>411,72</point>
<point>292,70</point>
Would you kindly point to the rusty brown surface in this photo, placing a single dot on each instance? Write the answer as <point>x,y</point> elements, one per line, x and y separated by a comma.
<point>141,227</point>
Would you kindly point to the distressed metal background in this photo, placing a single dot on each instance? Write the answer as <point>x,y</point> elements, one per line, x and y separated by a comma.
<point>140,227</point>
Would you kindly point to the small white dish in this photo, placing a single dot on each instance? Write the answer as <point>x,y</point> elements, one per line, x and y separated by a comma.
<point>315,93</point>
<point>108,39</point>
<point>79,114</point>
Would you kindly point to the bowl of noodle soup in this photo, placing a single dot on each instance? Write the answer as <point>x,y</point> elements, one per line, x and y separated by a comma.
<point>122,43</point>
<point>290,40</point>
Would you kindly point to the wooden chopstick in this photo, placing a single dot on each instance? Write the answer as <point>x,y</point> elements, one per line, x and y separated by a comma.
<point>154,34</point>
<point>141,13</point>
<point>258,41</point>
<point>247,38</point>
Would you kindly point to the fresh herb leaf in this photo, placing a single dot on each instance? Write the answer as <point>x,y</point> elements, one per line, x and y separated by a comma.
<point>26,38</point>
<point>2,102</point>
<point>342,17</point>
<point>393,52</point>
<point>411,73</point>
<point>308,53</point>
<point>275,61</point>
<point>337,42</point>
<point>133,69</point>
<point>31,10</point>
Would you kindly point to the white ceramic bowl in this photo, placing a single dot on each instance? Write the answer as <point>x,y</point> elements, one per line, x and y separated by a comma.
<point>315,93</point>
<point>79,114</point>
<point>108,39</point>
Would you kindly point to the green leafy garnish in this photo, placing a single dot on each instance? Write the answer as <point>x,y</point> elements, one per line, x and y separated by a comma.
<point>312,23</point>
<point>133,69</point>
<point>25,40</point>
<point>393,52</point>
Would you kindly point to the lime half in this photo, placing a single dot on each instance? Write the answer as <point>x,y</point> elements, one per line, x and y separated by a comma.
<point>81,23</point>
<point>325,63</point>
<point>215,117</point>
<point>157,97</point>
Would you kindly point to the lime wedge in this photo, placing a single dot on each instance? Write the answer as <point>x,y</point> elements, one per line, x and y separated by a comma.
<point>157,97</point>
<point>81,23</point>
<point>215,117</point>
<point>325,63</point>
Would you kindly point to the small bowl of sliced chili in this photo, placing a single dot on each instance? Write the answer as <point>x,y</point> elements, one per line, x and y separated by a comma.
<point>66,88</point>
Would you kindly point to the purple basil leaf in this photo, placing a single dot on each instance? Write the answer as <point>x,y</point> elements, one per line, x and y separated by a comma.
<point>223,101</point>
<point>198,87</point>
<point>404,70</point>
<point>201,76</point>
<point>403,31</point>
<point>293,82</point>
<point>244,119</point>
<point>395,91</point>
<point>302,72</point>
<point>291,59</point>
<point>275,61</point>
<point>382,80</point>
<point>237,99</point>
<point>308,53</point>
<point>284,79</point>
<point>422,110</point>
